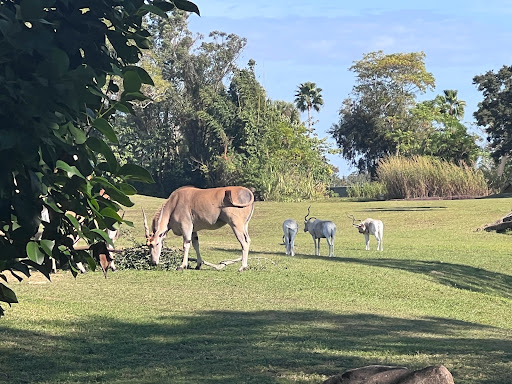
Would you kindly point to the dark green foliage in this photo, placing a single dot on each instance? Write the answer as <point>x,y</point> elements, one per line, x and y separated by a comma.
<point>495,111</point>
<point>138,258</point>
<point>60,66</point>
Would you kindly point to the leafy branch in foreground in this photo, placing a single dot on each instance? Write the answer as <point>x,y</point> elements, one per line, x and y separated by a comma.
<point>57,93</point>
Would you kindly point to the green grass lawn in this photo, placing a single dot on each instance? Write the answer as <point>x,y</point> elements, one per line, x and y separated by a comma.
<point>440,293</point>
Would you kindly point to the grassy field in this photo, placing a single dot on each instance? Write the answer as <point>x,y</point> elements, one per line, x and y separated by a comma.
<point>440,293</point>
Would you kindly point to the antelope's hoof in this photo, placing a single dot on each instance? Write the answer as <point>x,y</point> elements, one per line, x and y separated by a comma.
<point>180,268</point>
<point>242,269</point>
<point>198,267</point>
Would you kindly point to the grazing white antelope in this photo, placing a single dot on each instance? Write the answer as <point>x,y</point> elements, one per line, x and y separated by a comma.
<point>320,229</point>
<point>370,227</point>
<point>189,210</point>
<point>290,228</point>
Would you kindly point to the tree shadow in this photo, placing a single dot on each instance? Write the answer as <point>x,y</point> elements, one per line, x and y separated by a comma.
<point>248,347</point>
<point>454,275</point>
<point>406,208</point>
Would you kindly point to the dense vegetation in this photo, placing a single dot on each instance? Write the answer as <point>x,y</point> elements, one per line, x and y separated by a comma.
<point>210,122</point>
<point>383,118</point>
<point>58,91</point>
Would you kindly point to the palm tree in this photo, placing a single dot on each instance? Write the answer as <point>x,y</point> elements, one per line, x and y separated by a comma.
<point>308,96</point>
<point>452,105</point>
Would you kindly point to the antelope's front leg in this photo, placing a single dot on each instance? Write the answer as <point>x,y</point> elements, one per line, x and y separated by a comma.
<point>367,240</point>
<point>186,248</point>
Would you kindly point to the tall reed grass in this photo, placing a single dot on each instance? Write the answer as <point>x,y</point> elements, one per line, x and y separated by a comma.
<point>289,185</point>
<point>373,190</point>
<point>422,176</point>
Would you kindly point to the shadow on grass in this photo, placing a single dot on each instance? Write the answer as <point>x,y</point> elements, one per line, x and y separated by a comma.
<point>398,209</point>
<point>454,275</point>
<point>249,347</point>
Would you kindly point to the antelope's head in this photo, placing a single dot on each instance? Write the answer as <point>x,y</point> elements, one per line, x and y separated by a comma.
<point>154,239</point>
<point>361,227</point>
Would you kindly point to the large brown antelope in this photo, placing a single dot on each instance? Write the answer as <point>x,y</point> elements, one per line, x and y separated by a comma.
<point>189,210</point>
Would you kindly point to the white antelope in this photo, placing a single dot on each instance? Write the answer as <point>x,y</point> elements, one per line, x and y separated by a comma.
<point>189,210</point>
<point>320,229</point>
<point>370,227</point>
<point>290,228</point>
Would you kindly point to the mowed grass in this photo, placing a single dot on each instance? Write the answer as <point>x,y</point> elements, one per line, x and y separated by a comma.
<point>440,293</point>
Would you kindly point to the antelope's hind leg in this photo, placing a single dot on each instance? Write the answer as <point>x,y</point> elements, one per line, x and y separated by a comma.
<point>242,235</point>
<point>195,244</point>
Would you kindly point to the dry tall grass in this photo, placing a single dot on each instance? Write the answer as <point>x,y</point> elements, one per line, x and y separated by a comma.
<point>422,176</point>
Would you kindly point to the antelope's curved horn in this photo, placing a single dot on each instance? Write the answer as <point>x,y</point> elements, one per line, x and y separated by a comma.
<point>146,229</point>
<point>306,217</point>
<point>353,218</point>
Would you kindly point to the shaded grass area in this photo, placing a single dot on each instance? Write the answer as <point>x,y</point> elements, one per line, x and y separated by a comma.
<point>248,347</point>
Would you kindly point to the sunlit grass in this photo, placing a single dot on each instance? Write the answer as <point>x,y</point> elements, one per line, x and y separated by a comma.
<point>439,293</point>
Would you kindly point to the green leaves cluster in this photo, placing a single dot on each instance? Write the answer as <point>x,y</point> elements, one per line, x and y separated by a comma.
<point>65,68</point>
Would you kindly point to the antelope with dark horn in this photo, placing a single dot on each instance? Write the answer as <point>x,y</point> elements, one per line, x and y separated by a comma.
<point>370,227</point>
<point>320,229</point>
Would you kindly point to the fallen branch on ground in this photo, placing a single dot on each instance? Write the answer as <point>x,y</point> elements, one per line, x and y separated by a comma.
<point>225,263</point>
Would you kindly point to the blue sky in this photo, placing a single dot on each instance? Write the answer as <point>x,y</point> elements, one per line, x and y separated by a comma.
<point>297,41</point>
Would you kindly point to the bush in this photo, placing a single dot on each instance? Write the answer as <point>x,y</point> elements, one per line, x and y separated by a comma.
<point>138,258</point>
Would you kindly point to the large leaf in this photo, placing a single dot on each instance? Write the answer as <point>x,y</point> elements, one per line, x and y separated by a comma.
<point>71,170</point>
<point>47,246</point>
<point>115,193</point>
<point>43,268</point>
<point>103,235</point>
<point>78,134</point>
<point>109,212</point>
<point>34,253</point>
<point>154,9</point>
<point>127,189</point>
<point>100,146</point>
<point>105,127</point>
<point>74,221</point>
<point>135,173</point>
<point>186,6</point>
<point>144,77</point>
<point>7,295</point>
<point>131,82</point>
